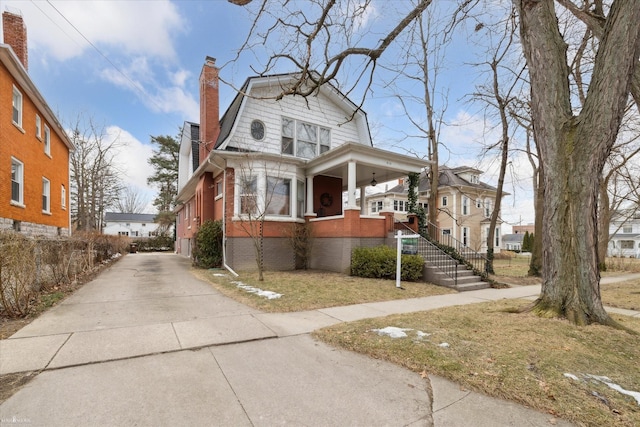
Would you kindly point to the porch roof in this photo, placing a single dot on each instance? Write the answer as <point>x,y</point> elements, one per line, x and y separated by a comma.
<point>386,165</point>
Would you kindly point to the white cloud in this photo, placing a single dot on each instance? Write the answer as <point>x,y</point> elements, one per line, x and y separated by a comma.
<point>131,159</point>
<point>128,27</point>
<point>163,98</point>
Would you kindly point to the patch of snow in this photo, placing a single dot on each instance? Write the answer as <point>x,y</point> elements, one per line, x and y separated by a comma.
<point>219,275</point>
<point>607,381</point>
<point>392,331</point>
<point>573,377</point>
<point>444,345</point>
<point>257,291</point>
<point>421,334</point>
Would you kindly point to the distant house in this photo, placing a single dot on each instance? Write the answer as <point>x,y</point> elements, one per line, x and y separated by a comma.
<point>34,148</point>
<point>129,224</point>
<point>293,159</point>
<point>624,234</point>
<point>465,204</point>
<point>512,242</point>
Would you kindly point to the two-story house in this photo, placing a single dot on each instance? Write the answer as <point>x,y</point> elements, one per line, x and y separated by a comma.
<point>464,207</point>
<point>131,224</point>
<point>289,160</point>
<point>624,234</point>
<point>34,148</point>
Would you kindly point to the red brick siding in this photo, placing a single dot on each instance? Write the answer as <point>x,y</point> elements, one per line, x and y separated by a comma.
<point>28,149</point>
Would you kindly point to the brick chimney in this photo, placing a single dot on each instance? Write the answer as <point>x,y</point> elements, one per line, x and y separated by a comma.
<point>209,107</point>
<point>15,35</point>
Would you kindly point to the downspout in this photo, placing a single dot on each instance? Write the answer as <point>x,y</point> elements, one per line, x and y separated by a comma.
<point>224,215</point>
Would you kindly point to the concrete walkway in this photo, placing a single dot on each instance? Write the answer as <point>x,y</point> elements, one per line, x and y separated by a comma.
<point>146,343</point>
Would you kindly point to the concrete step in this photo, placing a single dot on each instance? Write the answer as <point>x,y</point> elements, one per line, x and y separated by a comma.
<point>472,286</point>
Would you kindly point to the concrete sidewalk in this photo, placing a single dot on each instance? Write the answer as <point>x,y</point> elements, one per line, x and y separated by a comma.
<point>146,343</point>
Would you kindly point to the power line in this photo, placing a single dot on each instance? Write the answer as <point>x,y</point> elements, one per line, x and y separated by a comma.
<point>134,84</point>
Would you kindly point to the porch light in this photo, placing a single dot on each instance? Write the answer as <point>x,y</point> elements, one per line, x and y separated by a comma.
<point>373,181</point>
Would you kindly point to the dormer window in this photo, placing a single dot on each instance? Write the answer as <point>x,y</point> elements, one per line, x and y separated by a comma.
<point>474,179</point>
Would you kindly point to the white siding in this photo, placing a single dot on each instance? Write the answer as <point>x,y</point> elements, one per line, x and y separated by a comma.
<point>318,110</point>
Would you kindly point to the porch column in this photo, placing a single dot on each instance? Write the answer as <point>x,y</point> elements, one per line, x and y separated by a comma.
<point>363,201</point>
<point>309,209</point>
<point>351,186</point>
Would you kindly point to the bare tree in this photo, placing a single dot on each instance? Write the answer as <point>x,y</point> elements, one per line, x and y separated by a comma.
<point>130,200</point>
<point>425,49</point>
<point>498,102</point>
<point>574,148</point>
<point>95,181</point>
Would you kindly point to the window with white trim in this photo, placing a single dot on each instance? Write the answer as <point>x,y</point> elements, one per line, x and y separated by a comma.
<point>17,181</point>
<point>63,197</point>
<point>46,195</point>
<point>248,192</point>
<point>487,208</point>
<point>17,107</point>
<point>304,140</point>
<point>38,127</point>
<point>376,206</point>
<point>627,229</point>
<point>465,205</point>
<point>465,236</point>
<point>626,244</point>
<point>278,196</point>
<point>400,205</point>
<point>497,236</point>
<point>47,140</point>
<point>445,201</point>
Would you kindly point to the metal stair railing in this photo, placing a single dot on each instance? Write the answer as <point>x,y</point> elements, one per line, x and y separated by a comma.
<point>453,247</point>
<point>434,256</point>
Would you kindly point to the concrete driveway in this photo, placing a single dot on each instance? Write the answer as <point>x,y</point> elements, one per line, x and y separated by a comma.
<point>146,343</point>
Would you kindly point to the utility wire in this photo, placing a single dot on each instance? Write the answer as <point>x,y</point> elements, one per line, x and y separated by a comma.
<point>134,84</point>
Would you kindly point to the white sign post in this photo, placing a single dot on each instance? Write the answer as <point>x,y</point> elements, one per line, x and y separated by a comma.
<point>399,236</point>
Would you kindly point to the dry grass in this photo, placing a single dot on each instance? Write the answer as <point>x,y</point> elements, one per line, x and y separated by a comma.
<point>309,290</point>
<point>622,294</point>
<point>519,357</point>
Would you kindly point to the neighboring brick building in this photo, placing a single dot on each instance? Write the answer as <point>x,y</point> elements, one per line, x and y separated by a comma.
<point>34,148</point>
<point>293,160</point>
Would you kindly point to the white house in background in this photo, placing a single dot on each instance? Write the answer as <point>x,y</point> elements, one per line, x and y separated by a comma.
<point>129,224</point>
<point>624,235</point>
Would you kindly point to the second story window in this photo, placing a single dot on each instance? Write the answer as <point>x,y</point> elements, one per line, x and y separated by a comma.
<point>465,205</point>
<point>376,206</point>
<point>47,140</point>
<point>63,197</point>
<point>304,140</point>
<point>17,107</point>
<point>627,229</point>
<point>487,208</point>
<point>445,201</point>
<point>38,127</point>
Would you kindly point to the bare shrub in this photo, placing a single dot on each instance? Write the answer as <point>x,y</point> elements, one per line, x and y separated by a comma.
<point>17,274</point>
<point>29,266</point>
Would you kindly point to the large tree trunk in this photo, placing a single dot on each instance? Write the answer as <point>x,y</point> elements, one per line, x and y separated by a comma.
<point>573,149</point>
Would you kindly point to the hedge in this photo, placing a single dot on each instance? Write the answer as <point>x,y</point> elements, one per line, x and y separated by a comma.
<point>380,262</point>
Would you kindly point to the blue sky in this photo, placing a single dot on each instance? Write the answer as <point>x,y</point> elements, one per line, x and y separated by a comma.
<point>133,67</point>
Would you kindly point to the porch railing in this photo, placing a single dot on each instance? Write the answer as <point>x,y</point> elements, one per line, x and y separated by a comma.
<point>476,261</point>
<point>433,255</point>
